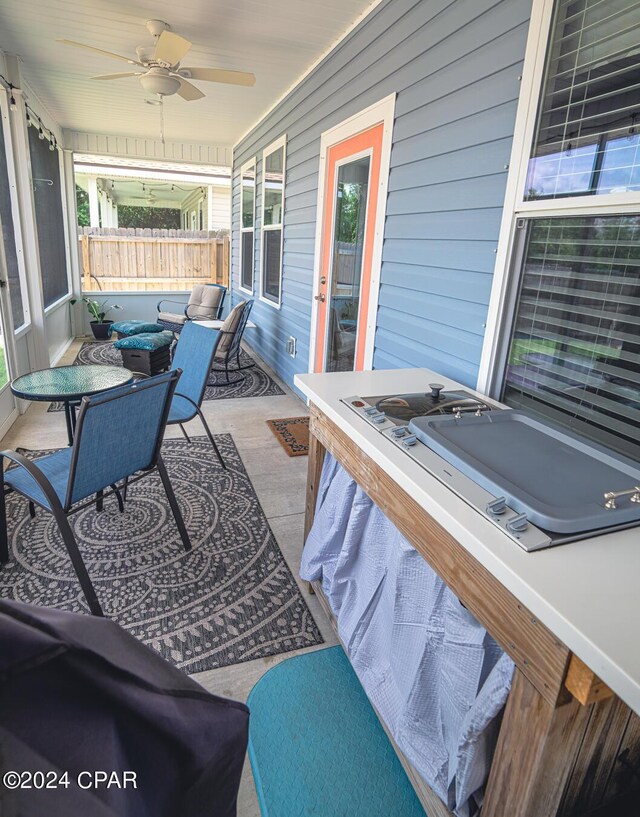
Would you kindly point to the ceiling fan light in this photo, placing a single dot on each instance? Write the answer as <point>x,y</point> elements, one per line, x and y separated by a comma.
<point>159,84</point>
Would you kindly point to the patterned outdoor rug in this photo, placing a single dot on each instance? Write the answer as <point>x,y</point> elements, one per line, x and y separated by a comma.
<point>293,434</point>
<point>255,382</point>
<point>231,599</point>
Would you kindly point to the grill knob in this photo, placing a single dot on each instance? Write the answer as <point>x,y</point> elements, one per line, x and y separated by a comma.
<point>518,524</point>
<point>436,388</point>
<point>497,506</point>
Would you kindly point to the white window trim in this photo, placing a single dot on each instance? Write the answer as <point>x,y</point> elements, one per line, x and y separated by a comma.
<point>279,143</point>
<point>15,212</point>
<point>500,312</point>
<point>252,163</point>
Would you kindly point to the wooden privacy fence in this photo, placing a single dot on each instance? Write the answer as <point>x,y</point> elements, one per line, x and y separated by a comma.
<point>137,260</point>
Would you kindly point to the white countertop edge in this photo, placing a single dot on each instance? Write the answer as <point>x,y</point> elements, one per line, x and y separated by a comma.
<point>493,549</point>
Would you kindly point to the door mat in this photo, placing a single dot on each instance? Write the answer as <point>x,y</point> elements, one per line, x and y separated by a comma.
<point>317,748</point>
<point>255,381</point>
<point>293,434</point>
<point>231,599</point>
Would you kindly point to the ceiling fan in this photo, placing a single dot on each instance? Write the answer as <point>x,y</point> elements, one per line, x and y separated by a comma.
<point>162,73</point>
<point>150,198</point>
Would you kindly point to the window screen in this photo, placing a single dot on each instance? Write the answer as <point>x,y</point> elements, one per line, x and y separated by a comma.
<point>273,187</point>
<point>272,215</point>
<point>271,264</point>
<point>574,353</point>
<point>248,207</point>
<point>9,239</point>
<point>47,194</point>
<point>247,260</point>
<point>588,131</point>
<point>248,196</point>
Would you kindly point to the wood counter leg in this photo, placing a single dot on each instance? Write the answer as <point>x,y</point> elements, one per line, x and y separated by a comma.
<point>316,460</point>
<point>534,757</point>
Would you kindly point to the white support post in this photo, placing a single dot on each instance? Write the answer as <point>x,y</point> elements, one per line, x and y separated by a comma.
<point>210,207</point>
<point>94,208</point>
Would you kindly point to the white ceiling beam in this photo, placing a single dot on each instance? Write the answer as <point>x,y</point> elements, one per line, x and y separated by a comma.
<point>172,176</point>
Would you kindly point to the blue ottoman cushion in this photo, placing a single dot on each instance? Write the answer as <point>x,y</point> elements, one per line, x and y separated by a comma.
<point>129,328</point>
<point>147,341</point>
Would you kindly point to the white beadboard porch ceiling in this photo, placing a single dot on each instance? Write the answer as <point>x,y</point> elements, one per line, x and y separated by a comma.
<point>277,40</point>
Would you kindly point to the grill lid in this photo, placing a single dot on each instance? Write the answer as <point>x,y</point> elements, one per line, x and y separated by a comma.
<point>557,478</point>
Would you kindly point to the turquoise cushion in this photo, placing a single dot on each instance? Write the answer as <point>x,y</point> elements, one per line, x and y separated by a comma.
<point>317,748</point>
<point>133,327</point>
<point>146,340</point>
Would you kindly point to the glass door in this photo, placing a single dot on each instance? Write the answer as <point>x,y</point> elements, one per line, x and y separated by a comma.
<point>345,314</point>
<point>350,208</point>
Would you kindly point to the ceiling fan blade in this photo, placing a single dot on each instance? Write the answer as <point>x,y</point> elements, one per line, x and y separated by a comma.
<point>171,48</point>
<point>118,76</point>
<point>220,75</point>
<point>100,51</point>
<point>187,90</point>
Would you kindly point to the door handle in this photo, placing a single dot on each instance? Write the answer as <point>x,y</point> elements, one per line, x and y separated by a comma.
<point>321,297</point>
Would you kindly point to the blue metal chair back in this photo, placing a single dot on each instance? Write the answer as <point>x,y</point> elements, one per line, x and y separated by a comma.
<point>194,356</point>
<point>118,433</point>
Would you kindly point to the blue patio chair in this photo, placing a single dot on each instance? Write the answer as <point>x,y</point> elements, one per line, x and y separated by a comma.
<point>118,434</point>
<point>194,355</point>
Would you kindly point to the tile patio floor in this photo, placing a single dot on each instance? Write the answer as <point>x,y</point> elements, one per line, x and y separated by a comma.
<point>279,481</point>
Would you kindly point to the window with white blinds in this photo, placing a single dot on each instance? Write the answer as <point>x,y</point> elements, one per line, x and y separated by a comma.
<point>574,351</point>
<point>588,129</point>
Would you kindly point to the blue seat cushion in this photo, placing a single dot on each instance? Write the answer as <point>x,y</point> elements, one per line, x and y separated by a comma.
<point>54,466</point>
<point>129,328</point>
<point>148,341</point>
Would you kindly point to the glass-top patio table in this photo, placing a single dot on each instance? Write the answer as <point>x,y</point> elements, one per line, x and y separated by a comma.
<point>68,385</point>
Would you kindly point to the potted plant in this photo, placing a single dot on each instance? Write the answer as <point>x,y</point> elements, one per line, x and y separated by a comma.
<point>98,311</point>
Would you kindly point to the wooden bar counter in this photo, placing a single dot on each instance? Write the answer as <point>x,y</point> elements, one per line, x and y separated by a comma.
<point>567,616</point>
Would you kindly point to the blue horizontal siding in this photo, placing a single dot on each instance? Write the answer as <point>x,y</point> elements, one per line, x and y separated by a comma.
<point>455,67</point>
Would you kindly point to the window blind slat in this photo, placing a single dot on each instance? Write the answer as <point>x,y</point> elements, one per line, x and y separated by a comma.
<point>559,340</point>
<point>533,314</point>
<point>555,401</point>
<point>571,275</point>
<point>602,434</point>
<point>583,385</point>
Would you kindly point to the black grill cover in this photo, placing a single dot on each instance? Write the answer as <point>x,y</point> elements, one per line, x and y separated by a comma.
<point>78,693</point>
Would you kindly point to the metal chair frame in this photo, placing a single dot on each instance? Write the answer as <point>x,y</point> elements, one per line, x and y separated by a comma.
<point>234,350</point>
<point>61,512</point>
